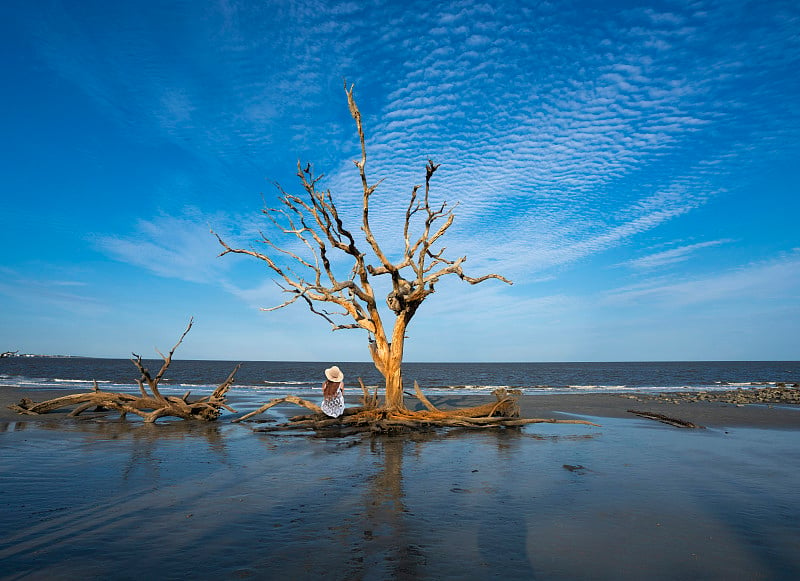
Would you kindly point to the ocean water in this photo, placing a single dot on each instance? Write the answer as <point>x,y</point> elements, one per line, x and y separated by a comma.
<point>277,378</point>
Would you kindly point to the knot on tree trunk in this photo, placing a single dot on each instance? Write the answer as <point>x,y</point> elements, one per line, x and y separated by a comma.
<point>397,300</point>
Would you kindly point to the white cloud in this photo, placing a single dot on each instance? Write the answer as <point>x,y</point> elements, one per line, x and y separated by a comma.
<point>762,281</point>
<point>169,246</point>
<point>673,255</point>
<point>582,164</point>
<point>42,294</point>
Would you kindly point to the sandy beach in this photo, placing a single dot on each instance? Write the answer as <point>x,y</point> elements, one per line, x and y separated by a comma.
<point>94,497</point>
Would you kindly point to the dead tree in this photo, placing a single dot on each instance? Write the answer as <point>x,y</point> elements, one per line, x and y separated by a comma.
<point>150,405</point>
<point>314,220</point>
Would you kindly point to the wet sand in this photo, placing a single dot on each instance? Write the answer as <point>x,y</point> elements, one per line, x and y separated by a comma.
<point>634,498</point>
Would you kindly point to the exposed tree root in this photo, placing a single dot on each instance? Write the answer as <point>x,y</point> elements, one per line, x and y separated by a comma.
<point>370,418</point>
<point>150,406</point>
<point>273,402</point>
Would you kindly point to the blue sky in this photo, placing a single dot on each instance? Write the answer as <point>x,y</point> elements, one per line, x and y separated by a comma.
<point>632,167</point>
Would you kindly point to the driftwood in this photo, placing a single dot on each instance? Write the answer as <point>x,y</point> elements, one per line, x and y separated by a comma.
<point>371,418</point>
<point>150,406</point>
<point>678,423</point>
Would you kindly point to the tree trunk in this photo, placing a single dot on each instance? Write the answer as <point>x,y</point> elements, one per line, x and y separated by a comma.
<point>394,361</point>
<point>389,364</point>
<point>394,386</point>
<point>388,358</point>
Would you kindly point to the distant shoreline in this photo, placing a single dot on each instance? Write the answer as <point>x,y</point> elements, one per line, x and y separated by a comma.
<point>37,355</point>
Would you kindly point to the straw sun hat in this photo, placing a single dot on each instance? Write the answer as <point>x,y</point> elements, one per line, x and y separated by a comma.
<point>334,374</point>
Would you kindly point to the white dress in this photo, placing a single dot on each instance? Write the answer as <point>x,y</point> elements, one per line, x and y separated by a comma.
<point>334,406</point>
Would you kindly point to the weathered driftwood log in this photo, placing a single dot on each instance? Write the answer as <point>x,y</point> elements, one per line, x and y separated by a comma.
<point>371,418</point>
<point>205,408</point>
<point>150,406</point>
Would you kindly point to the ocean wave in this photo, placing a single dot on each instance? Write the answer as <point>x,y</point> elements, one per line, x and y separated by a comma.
<point>468,387</point>
<point>602,387</point>
<point>267,382</point>
<point>747,383</point>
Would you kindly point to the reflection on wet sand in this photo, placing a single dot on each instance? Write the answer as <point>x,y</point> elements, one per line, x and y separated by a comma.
<point>112,429</point>
<point>387,545</point>
<point>392,546</point>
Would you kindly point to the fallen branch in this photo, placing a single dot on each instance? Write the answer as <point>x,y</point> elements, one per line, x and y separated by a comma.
<point>425,401</point>
<point>678,423</point>
<point>289,398</point>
